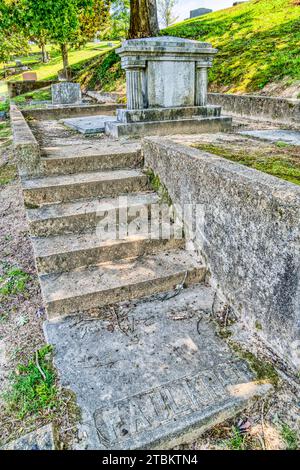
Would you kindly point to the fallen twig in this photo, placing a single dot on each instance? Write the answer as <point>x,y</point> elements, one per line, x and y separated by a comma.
<point>38,365</point>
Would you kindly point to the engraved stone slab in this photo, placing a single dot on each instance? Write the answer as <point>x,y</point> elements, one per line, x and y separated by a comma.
<point>151,376</point>
<point>66,93</point>
<point>89,124</point>
<point>40,439</point>
<point>276,135</point>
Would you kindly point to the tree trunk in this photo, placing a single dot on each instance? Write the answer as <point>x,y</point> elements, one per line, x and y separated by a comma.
<point>143,19</point>
<point>44,53</point>
<point>65,58</point>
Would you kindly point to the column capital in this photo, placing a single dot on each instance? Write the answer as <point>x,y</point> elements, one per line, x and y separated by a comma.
<point>133,63</point>
<point>206,62</point>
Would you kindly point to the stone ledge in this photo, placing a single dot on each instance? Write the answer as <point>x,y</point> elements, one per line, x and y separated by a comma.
<point>40,439</point>
<point>26,148</point>
<point>180,126</point>
<point>268,108</point>
<point>167,114</point>
<point>53,112</point>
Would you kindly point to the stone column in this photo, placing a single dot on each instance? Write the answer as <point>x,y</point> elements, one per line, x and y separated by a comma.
<point>136,87</point>
<point>201,82</point>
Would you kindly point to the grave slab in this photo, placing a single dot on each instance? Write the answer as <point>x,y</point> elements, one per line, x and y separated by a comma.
<point>150,374</point>
<point>276,135</point>
<point>89,124</point>
<point>40,439</point>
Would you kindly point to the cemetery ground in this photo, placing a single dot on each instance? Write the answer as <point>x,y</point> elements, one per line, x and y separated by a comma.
<point>31,393</point>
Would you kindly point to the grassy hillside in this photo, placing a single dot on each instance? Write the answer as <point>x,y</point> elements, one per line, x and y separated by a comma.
<point>258,43</point>
<point>77,59</point>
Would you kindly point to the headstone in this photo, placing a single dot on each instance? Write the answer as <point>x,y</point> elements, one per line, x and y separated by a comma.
<point>29,76</point>
<point>66,93</point>
<point>199,12</point>
<point>166,80</point>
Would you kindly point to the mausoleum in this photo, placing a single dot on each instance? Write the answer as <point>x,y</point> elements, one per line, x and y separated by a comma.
<point>166,80</point>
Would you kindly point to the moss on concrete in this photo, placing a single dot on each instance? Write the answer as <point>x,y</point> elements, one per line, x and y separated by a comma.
<point>263,369</point>
<point>282,165</point>
<point>8,173</point>
<point>156,185</point>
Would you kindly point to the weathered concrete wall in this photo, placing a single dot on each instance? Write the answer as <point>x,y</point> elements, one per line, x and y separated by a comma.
<point>26,148</point>
<point>18,88</point>
<point>262,107</point>
<point>248,233</point>
<point>71,111</point>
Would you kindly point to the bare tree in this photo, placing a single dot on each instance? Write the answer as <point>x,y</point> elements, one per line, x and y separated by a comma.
<point>166,12</point>
<point>143,19</point>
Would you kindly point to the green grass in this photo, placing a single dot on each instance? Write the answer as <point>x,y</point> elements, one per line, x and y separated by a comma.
<point>39,95</point>
<point>290,437</point>
<point>4,106</point>
<point>282,166</point>
<point>236,441</point>
<point>32,387</point>
<point>49,71</point>
<point>8,174</point>
<point>5,130</point>
<point>13,281</point>
<point>105,74</point>
<point>258,42</point>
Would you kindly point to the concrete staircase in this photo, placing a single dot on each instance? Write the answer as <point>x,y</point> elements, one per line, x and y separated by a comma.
<point>149,372</point>
<point>77,269</point>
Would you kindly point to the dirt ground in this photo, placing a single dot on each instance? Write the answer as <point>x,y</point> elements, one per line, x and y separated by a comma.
<point>271,424</point>
<point>22,316</point>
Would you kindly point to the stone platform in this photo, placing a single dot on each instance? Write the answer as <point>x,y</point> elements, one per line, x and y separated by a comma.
<point>195,125</point>
<point>275,135</point>
<point>88,124</point>
<point>167,114</point>
<point>151,374</point>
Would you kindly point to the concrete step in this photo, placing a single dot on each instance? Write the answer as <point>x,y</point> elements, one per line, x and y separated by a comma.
<point>62,162</point>
<point>84,215</point>
<point>146,377</point>
<point>54,189</point>
<point>68,252</point>
<point>116,281</point>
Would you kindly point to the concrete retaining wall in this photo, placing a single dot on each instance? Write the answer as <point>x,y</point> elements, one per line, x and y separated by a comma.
<point>60,112</point>
<point>263,107</point>
<point>248,233</point>
<point>26,148</point>
<point>18,88</point>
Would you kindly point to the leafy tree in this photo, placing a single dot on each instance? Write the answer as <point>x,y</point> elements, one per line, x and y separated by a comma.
<point>34,18</point>
<point>166,12</point>
<point>118,25</point>
<point>64,22</point>
<point>143,19</point>
<point>92,19</point>
<point>12,38</point>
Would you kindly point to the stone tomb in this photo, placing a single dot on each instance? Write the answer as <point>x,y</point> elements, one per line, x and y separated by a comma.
<point>166,81</point>
<point>66,93</point>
